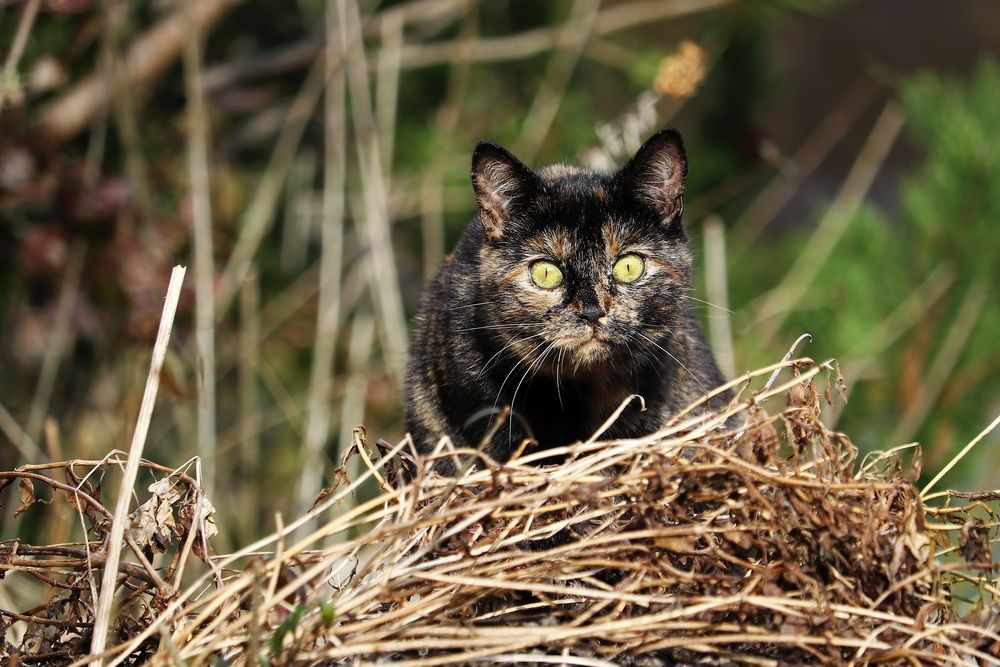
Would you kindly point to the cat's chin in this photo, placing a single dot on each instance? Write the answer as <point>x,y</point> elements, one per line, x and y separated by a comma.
<point>592,353</point>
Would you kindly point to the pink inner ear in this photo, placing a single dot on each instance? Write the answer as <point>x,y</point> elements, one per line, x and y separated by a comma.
<point>662,183</point>
<point>501,182</point>
<point>498,183</point>
<point>657,173</point>
<point>495,186</point>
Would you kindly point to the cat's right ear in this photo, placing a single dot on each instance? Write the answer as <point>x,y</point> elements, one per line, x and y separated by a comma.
<point>502,184</point>
<point>656,174</point>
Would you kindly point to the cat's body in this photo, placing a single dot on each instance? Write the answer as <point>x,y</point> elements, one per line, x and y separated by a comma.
<point>565,295</point>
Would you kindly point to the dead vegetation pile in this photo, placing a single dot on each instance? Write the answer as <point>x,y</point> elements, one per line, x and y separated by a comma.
<point>750,536</point>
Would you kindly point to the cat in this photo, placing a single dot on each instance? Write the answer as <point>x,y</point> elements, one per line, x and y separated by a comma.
<point>565,294</point>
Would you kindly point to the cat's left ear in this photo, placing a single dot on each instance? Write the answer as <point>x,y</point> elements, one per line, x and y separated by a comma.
<point>657,173</point>
<point>503,185</point>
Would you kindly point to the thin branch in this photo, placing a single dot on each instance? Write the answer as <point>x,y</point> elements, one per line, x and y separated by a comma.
<point>958,457</point>
<point>532,42</point>
<point>779,191</point>
<point>551,91</point>
<point>30,451</point>
<point>910,312</point>
<point>301,53</point>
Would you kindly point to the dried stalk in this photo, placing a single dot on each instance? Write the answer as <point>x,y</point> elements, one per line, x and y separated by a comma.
<point>259,213</point>
<point>56,348</point>
<point>204,265</point>
<point>382,265</point>
<point>249,365</point>
<point>784,298</point>
<point>430,199</point>
<point>717,290</point>
<point>944,363</point>
<point>328,313</point>
<point>105,604</point>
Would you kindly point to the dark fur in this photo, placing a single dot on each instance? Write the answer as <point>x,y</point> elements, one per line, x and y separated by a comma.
<point>471,356</point>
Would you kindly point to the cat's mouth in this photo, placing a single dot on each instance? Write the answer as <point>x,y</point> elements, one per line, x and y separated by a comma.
<point>592,346</point>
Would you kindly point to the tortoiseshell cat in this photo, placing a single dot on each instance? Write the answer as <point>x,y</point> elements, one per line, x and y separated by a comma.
<point>566,293</point>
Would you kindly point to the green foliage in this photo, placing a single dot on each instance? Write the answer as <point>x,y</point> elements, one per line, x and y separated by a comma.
<point>291,622</point>
<point>947,215</point>
<point>953,205</point>
<point>843,306</point>
<point>954,200</point>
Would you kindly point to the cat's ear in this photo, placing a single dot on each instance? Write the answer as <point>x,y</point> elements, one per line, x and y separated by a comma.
<point>656,174</point>
<point>502,184</point>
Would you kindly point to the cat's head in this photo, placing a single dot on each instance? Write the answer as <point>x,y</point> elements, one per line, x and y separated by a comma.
<point>580,268</point>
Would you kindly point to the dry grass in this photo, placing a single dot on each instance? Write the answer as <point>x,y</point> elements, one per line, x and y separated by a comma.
<point>748,536</point>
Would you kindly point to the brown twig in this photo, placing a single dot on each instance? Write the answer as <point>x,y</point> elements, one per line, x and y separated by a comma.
<point>616,18</point>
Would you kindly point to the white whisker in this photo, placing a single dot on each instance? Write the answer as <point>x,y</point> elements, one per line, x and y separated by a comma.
<point>707,303</point>
<point>693,376</point>
<point>534,365</point>
<point>504,383</point>
<point>512,341</point>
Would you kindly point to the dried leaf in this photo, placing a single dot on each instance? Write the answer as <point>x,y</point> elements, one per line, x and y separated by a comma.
<point>974,541</point>
<point>916,464</point>
<point>152,525</point>
<point>206,525</point>
<point>26,490</point>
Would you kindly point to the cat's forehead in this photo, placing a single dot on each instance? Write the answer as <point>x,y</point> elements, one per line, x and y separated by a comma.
<point>579,213</point>
<point>576,199</point>
<point>571,193</point>
<point>567,238</point>
<point>558,171</point>
<point>566,181</point>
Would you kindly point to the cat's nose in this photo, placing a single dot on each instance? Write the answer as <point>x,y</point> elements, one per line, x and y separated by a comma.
<point>592,313</point>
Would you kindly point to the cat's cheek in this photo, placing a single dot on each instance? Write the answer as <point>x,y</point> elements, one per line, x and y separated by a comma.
<point>537,301</point>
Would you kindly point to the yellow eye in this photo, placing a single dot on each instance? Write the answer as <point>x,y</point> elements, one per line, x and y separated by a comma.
<point>628,268</point>
<point>546,275</point>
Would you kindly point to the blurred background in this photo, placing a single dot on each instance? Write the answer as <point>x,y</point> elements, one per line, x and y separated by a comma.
<point>309,162</point>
